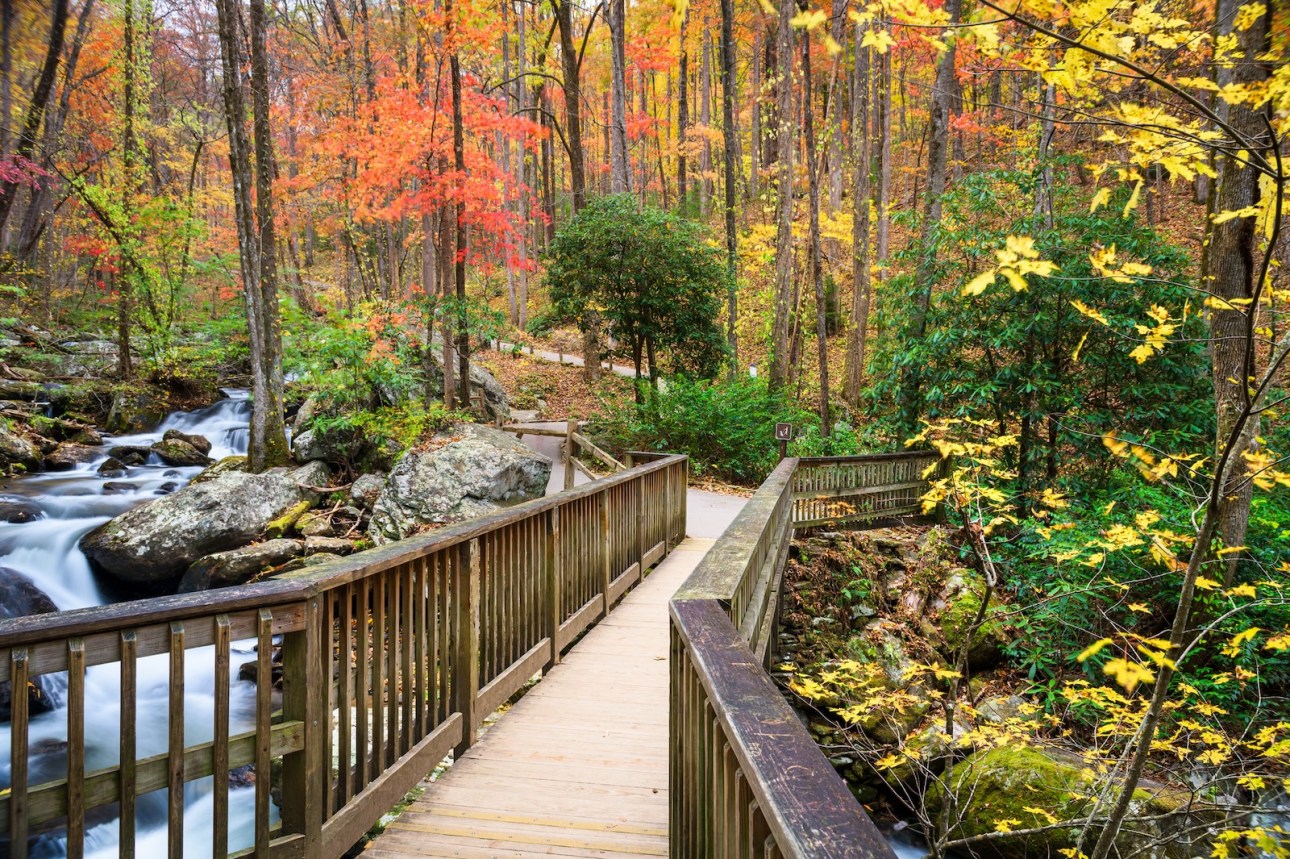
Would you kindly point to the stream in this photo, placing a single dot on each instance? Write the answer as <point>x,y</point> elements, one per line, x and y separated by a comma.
<point>46,551</point>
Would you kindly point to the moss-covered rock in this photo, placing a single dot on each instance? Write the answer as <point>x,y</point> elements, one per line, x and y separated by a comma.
<point>224,466</point>
<point>961,598</point>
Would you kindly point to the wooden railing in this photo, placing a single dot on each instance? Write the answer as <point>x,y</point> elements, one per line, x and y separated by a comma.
<point>746,779</point>
<point>389,659</point>
<point>854,489</point>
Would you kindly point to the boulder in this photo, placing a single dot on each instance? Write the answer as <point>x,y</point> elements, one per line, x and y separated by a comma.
<point>157,542</point>
<point>495,401</point>
<point>198,442</point>
<point>129,454</point>
<point>366,489</point>
<point>17,510</point>
<point>316,473</point>
<point>19,597</point>
<point>116,487</point>
<point>88,435</point>
<point>224,466</point>
<point>173,451</point>
<point>464,472</point>
<point>16,450</point>
<point>1009,782</point>
<point>68,455</point>
<point>329,445</point>
<point>166,488</point>
<point>237,566</point>
<point>959,603</point>
<point>134,411</point>
<point>111,468</point>
<point>315,524</point>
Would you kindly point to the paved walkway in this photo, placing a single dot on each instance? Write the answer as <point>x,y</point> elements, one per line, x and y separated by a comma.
<point>578,767</point>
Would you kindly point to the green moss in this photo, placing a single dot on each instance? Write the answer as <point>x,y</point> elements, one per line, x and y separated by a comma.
<point>280,526</point>
<point>956,619</point>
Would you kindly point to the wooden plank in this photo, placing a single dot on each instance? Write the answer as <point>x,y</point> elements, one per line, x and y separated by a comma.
<point>75,748</point>
<point>574,626</point>
<point>175,744</point>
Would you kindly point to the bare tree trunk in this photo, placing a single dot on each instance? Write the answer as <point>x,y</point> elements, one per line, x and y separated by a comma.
<point>883,120</point>
<point>459,267</point>
<point>682,114</point>
<point>938,142</point>
<point>815,264</point>
<point>569,65</point>
<point>728,138</point>
<point>754,149</point>
<point>129,154</point>
<point>1229,265</point>
<point>619,163</point>
<point>36,107</point>
<point>862,153</point>
<point>781,328</point>
<point>705,119</point>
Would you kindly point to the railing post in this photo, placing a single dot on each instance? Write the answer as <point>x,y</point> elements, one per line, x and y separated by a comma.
<point>667,511</point>
<point>606,574</point>
<point>569,430</point>
<point>465,676</point>
<point>640,526</point>
<point>306,690</point>
<point>552,587</point>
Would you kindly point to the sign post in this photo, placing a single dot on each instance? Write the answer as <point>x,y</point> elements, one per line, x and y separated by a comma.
<point>783,435</point>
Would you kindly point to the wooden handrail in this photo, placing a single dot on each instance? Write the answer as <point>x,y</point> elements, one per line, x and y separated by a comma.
<point>389,658</point>
<point>746,779</point>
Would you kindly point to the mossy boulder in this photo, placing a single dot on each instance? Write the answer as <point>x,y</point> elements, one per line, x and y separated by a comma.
<point>224,466</point>
<point>961,600</point>
<point>1001,784</point>
<point>174,451</point>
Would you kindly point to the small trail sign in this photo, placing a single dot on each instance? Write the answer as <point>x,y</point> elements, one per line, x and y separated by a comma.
<point>783,432</point>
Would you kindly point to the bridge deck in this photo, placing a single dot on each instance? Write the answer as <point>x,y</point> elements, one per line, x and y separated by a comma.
<point>578,767</point>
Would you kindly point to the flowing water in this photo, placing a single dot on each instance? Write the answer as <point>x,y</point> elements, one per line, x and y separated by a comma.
<point>46,551</point>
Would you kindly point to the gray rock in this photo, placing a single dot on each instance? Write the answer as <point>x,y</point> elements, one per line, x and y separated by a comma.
<point>467,471</point>
<point>116,487</point>
<point>330,545</point>
<point>237,566</point>
<point>68,455</point>
<point>315,525</point>
<point>166,488</point>
<point>19,597</point>
<point>495,401</point>
<point>134,412</point>
<point>199,442</point>
<point>157,542</point>
<point>17,510</point>
<point>111,468</point>
<point>16,450</point>
<point>88,436</point>
<point>224,466</point>
<point>316,473</point>
<point>129,454</point>
<point>366,489</point>
<point>309,409</point>
<point>173,451</point>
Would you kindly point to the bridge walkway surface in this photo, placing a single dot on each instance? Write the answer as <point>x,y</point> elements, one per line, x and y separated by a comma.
<point>578,766</point>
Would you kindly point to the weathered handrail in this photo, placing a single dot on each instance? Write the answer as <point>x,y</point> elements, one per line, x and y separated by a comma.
<point>389,659</point>
<point>746,779</point>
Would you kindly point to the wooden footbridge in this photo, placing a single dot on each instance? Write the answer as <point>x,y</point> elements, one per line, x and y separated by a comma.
<point>654,730</point>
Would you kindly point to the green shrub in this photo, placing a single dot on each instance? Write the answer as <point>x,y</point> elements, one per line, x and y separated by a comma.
<point>726,427</point>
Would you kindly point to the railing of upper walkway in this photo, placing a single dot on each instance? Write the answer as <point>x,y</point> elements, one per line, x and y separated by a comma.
<point>746,779</point>
<point>389,659</point>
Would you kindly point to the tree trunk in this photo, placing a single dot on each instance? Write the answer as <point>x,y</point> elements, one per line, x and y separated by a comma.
<point>1230,271</point>
<point>728,138</point>
<point>815,264</point>
<point>36,108</point>
<point>572,104</point>
<point>705,119</point>
<point>938,142</point>
<point>459,267</point>
<point>620,172</point>
<point>862,153</point>
<point>682,115</point>
<point>129,153</point>
<point>781,327</point>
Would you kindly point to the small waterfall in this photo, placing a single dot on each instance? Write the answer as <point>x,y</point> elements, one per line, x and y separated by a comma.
<point>46,550</point>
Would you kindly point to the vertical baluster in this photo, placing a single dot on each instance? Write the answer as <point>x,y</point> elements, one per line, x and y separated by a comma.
<point>447,599</point>
<point>363,690</point>
<point>394,627</point>
<point>175,746</point>
<point>18,676</point>
<point>379,644</point>
<point>421,601</point>
<point>129,701</point>
<point>329,694</point>
<point>263,727</point>
<point>552,595</point>
<point>305,694</point>
<point>408,647</point>
<point>219,779</point>
<point>465,681</point>
<point>345,697</point>
<point>75,748</point>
